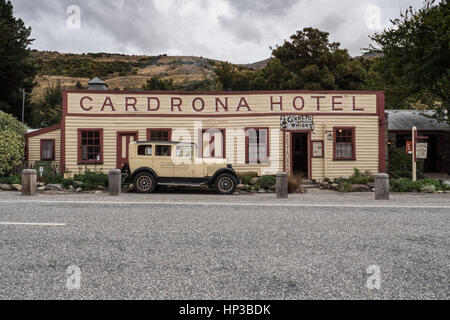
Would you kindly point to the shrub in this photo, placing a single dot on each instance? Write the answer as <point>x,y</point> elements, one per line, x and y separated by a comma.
<point>402,185</point>
<point>52,177</point>
<point>92,179</point>
<point>12,143</point>
<point>424,185</point>
<point>360,178</point>
<point>400,165</point>
<point>245,177</point>
<point>295,182</point>
<point>267,182</point>
<point>12,179</point>
<point>345,186</point>
<point>66,183</point>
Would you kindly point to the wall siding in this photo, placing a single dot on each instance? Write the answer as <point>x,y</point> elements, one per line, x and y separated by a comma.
<point>34,146</point>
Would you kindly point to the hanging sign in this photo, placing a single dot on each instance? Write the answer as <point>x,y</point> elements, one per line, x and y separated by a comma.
<point>297,122</point>
<point>421,150</point>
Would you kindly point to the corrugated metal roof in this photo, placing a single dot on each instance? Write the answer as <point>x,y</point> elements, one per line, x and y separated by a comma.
<point>406,119</point>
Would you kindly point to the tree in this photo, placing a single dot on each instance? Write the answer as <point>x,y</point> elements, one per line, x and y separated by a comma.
<point>16,70</point>
<point>308,61</point>
<point>156,83</point>
<point>416,56</point>
<point>49,110</point>
<point>12,143</point>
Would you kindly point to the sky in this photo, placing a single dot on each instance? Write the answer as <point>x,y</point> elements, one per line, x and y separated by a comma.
<point>239,31</point>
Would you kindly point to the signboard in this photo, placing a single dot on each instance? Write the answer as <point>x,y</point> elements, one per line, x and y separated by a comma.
<point>421,150</point>
<point>297,122</point>
<point>409,147</point>
<point>317,149</point>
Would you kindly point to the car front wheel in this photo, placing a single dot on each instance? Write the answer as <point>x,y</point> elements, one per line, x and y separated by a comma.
<point>226,183</point>
<point>144,182</point>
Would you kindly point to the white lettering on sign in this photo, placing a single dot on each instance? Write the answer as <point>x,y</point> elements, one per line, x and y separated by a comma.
<point>296,122</point>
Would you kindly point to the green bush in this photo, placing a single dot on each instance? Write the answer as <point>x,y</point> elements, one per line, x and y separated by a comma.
<point>360,178</point>
<point>424,185</point>
<point>52,177</point>
<point>66,183</point>
<point>12,179</point>
<point>92,179</point>
<point>400,165</point>
<point>12,143</point>
<point>267,182</point>
<point>345,186</point>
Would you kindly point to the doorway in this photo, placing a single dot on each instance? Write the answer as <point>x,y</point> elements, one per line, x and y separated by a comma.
<point>123,140</point>
<point>300,149</point>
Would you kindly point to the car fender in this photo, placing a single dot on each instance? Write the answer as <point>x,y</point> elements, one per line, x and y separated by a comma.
<point>144,169</point>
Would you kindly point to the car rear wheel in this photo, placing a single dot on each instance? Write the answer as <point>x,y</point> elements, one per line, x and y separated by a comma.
<point>226,183</point>
<point>144,182</point>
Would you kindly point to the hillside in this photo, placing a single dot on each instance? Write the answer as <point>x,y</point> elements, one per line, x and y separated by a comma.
<point>118,70</point>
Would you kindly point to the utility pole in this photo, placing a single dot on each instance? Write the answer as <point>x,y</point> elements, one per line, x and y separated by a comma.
<point>414,159</point>
<point>23,104</point>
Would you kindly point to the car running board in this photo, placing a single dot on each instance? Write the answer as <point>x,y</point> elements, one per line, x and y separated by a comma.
<point>182,184</point>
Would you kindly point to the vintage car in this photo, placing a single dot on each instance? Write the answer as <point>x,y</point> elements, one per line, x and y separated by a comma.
<point>169,163</point>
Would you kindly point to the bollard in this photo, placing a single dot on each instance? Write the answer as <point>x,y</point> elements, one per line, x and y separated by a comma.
<point>29,178</point>
<point>282,185</point>
<point>115,182</point>
<point>381,186</point>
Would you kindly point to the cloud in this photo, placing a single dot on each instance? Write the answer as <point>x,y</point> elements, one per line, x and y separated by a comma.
<point>233,30</point>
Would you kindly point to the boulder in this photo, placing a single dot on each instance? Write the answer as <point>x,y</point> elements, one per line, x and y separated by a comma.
<point>18,187</point>
<point>78,190</point>
<point>254,180</point>
<point>71,187</point>
<point>54,187</point>
<point>98,192</point>
<point>5,187</point>
<point>360,188</point>
<point>41,184</point>
<point>101,188</point>
<point>41,188</point>
<point>77,183</point>
<point>262,190</point>
<point>240,186</point>
<point>334,186</point>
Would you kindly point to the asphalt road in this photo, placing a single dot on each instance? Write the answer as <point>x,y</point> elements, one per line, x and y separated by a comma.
<point>203,246</point>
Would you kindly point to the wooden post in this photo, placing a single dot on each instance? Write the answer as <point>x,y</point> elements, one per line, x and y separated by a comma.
<point>381,186</point>
<point>282,185</point>
<point>115,182</point>
<point>29,179</point>
<point>414,160</point>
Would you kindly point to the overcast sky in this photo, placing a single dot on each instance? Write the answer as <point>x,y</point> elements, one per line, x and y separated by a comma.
<point>240,31</point>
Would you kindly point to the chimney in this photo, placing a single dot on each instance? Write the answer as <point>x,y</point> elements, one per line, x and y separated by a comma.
<point>97,84</point>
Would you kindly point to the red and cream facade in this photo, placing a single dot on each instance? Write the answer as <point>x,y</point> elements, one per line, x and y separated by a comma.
<point>332,132</point>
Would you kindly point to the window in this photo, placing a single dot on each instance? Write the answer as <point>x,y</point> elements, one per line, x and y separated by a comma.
<point>159,134</point>
<point>184,151</point>
<point>48,149</point>
<point>213,143</point>
<point>344,143</point>
<point>163,151</point>
<point>90,146</point>
<point>257,145</point>
<point>144,150</point>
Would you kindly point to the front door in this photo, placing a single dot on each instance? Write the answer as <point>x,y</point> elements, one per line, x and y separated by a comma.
<point>123,140</point>
<point>300,153</point>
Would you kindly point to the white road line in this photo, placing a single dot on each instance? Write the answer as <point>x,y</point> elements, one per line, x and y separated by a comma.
<point>31,224</point>
<point>231,204</point>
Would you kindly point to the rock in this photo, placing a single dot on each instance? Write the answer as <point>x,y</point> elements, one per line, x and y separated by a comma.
<point>41,188</point>
<point>98,191</point>
<point>77,183</point>
<point>440,191</point>
<point>240,186</point>
<point>41,184</point>
<point>5,187</point>
<point>324,184</point>
<point>360,188</point>
<point>101,188</point>
<point>254,180</point>
<point>429,188</point>
<point>18,187</point>
<point>54,186</point>
<point>71,187</point>
<point>371,185</point>
<point>236,193</point>
<point>262,191</point>
<point>78,190</point>
<point>334,186</point>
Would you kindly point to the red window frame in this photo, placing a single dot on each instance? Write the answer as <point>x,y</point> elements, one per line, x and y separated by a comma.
<point>52,158</point>
<point>149,131</point>
<point>247,145</point>
<point>214,151</point>
<point>353,142</point>
<point>80,132</point>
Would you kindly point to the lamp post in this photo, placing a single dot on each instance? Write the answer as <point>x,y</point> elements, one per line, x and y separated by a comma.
<point>23,104</point>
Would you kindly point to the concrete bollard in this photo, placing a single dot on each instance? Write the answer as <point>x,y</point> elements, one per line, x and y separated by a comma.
<point>282,185</point>
<point>381,186</point>
<point>115,182</point>
<point>29,182</point>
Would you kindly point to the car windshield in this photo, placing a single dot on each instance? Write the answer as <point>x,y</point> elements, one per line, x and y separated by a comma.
<point>184,151</point>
